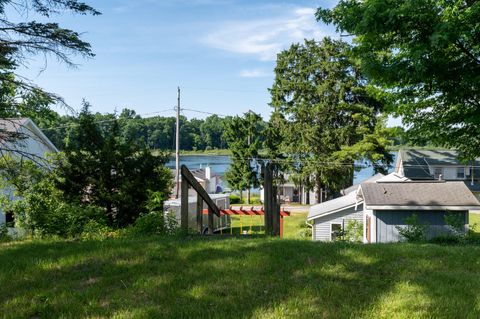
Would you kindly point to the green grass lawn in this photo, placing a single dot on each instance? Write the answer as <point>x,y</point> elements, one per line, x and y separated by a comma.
<point>291,225</point>
<point>237,277</point>
<point>475,219</point>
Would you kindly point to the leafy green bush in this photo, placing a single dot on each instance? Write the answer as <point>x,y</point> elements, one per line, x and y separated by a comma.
<point>234,199</point>
<point>354,231</point>
<point>305,230</point>
<point>95,230</point>
<point>414,231</point>
<point>43,212</point>
<point>156,223</point>
<point>4,237</point>
<point>254,200</point>
<point>456,222</point>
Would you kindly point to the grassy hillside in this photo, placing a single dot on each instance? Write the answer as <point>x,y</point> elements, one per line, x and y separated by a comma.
<point>222,277</point>
<point>237,278</point>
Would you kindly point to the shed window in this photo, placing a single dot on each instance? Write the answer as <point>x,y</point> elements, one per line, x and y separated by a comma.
<point>336,231</point>
<point>437,172</point>
<point>460,173</point>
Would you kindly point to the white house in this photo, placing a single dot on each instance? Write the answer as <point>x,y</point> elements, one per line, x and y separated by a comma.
<point>205,177</point>
<point>31,144</point>
<point>438,164</point>
<point>383,204</point>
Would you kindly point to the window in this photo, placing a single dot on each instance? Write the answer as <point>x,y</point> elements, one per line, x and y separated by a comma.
<point>9,219</point>
<point>336,231</point>
<point>438,172</point>
<point>460,172</point>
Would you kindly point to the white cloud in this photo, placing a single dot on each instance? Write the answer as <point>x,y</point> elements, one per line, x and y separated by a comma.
<point>255,73</point>
<point>264,38</point>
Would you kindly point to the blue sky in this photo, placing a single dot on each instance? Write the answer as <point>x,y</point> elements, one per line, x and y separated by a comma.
<point>220,52</point>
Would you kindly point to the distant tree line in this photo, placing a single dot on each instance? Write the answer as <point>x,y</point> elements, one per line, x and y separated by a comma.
<point>156,132</point>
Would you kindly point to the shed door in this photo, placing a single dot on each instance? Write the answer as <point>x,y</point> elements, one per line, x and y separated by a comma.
<point>369,227</point>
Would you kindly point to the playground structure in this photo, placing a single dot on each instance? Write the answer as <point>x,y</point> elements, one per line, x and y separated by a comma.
<point>249,212</point>
<point>273,216</point>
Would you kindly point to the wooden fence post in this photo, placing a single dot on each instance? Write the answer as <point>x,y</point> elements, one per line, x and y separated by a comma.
<point>184,207</point>
<point>210,221</point>
<point>199,214</point>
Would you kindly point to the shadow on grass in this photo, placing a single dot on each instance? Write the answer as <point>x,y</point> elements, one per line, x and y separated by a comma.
<point>237,277</point>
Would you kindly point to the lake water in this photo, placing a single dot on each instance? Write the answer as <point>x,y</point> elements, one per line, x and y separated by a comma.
<point>219,164</point>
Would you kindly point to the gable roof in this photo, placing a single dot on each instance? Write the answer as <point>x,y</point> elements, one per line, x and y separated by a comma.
<point>333,206</point>
<point>416,162</point>
<point>17,125</point>
<point>418,195</point>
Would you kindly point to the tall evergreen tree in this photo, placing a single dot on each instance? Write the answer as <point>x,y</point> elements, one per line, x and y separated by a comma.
<point>326,114</point>
<point>102,169</point>
<point>243,135</point>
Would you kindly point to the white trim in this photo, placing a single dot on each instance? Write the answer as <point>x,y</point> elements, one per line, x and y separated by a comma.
<point>334,223</point>
<point>421,207</point>
<point>336,211</point>
<point>41,135</point>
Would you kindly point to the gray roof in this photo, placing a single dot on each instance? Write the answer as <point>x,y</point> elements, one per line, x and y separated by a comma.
<point>354,187</point>
<point>401,194</point>
<point>332,205</point>
<point>416,161</point>
<point>12,125</point>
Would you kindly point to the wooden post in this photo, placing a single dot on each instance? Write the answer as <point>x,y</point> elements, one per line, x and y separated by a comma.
<point>199,214</point>
<point>210,221</point>
<point>184,207</point>
<point>275,212</point>
<point>267,192</point>
<point>281,226</point>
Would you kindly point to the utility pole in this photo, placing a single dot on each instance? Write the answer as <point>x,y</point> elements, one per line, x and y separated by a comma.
<point>177,145</point>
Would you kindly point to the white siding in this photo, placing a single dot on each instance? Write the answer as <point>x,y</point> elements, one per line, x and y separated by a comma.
<point>322,225</point>
<point>373,226</point>
<point>449,173</point>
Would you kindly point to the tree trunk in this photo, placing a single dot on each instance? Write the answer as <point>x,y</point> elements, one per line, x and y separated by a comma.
<point>241,196</point>
<point>248,195</point>
<point>319,191</point>
<point>300,194</point>
<point>307,200</point>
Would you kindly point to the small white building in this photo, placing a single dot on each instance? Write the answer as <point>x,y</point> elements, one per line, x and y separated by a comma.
<point>382,205</point>
<point>31,144</point>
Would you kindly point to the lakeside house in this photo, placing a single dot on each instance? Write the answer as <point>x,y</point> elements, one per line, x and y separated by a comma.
<point>31,143</point>
<point>425,164</point>
<point>429,183</point>
<point>210,181</point>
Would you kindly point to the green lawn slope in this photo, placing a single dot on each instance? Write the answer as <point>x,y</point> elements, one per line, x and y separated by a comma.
<point>237,277</point>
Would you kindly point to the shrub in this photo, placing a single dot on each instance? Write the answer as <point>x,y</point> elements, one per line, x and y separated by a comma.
<point>4,237</point>
<point>456,223</point>
<point>43,212</point>
<point>305,230</point>
<point>95,230</point>
<point>354,231</point>
<point>156,223</point>
<point>414,231</point>
<point>234,199</point>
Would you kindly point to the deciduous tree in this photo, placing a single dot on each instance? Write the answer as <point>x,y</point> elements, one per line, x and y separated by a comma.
<point>425,54</point>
